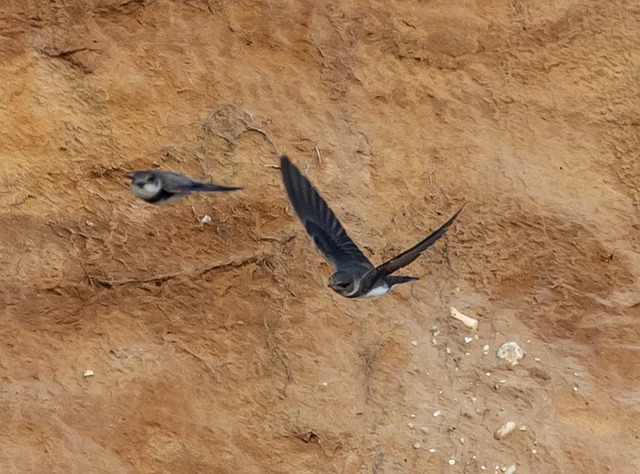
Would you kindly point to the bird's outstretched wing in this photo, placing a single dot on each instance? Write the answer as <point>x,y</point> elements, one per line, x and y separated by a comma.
<point>177,183</point>
<point>408,256</point>
<point>320,221</point>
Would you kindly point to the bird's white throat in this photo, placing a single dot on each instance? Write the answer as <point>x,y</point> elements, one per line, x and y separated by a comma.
<point>149,190</point>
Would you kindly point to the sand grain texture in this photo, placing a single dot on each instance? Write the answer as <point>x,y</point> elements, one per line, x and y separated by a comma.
<point>218,348</point>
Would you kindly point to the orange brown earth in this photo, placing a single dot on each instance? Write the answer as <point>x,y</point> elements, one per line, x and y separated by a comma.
<point>218,348</point>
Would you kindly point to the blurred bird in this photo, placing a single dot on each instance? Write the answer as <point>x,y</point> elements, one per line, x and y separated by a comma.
<point>164,187</point>
<point>355,275</point>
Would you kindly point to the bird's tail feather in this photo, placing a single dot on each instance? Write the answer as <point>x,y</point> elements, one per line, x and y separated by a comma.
<point>207,187</point>
<point>396,280</point>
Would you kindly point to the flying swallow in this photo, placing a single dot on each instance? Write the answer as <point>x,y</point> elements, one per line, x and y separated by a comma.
<point>163,187</point>
<point>355,276</point>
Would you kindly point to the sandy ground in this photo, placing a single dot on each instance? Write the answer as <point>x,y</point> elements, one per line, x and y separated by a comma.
<point>218,348</point>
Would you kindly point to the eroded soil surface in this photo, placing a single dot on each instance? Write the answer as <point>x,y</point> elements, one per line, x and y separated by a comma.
<point>218,348</point>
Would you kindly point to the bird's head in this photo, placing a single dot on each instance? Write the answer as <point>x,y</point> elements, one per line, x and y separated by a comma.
<point>342,283</point>
<point>145,183</point>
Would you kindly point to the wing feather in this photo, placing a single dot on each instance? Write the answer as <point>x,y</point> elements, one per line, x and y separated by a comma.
<point>408,256</point>
<point>319,220</point>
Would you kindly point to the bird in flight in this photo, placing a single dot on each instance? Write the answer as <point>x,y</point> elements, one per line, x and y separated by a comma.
<point>355,276</point>
<point>164,187</point>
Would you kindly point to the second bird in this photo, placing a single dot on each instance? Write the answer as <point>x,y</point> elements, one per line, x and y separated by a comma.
<point>164,187</point>
<point>355,275</point>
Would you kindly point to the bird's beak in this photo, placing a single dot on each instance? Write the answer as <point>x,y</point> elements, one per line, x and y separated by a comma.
<point>129,175</point>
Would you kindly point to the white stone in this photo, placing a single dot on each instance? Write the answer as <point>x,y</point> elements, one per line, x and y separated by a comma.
<point>511,352</point>
<point>464,319</point>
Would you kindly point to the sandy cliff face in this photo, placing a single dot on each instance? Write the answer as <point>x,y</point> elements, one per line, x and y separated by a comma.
<point>218,348</point>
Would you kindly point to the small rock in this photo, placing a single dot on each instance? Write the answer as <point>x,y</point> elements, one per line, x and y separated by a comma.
<point>410,425</point>
<point>206,219</point>
<point>511,469</point>
<point>424,429</point>
<point>437,413</point>
<point>417,445</point>
<point>452,462</point>
<point>505,430</point>
<point>468,339</point>
<point>464,319</point>
<point>88,373</point>
<point>414,343</point>
<point>511,352</point>
<point>432,450</point>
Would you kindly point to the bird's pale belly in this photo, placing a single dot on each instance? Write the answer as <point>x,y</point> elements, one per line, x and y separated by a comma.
<point>379,290</point>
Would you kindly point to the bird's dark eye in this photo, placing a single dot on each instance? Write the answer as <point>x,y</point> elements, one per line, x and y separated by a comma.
<point>342,284</point>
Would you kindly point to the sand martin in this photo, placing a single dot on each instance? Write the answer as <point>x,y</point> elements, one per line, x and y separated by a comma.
<point>163,187</point>
<point>355,276</point>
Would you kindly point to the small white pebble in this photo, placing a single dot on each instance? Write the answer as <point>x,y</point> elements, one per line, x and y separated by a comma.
<point>437,413</point>
<point>206,219</point>
<point>464,319</point>
<point>511,469</point>
<point>432,450</point>
<point>410,425</point>
<point>505,430</point>
<point>88,223</point>
<point>534,451</point>
<point>447,350</point>
<point>537,359</point>
<point>413,415</point>
<point>575,389</point>
<point>483,467</point>
<point>452,462</point>
<point>468,339</point>
<point>488,374</point>
<point>414,343</point>
<point>88,373</point>
<point>424,429</point>
<point>324,384</point>
<point>417,445</point>
<point>461,440</point>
